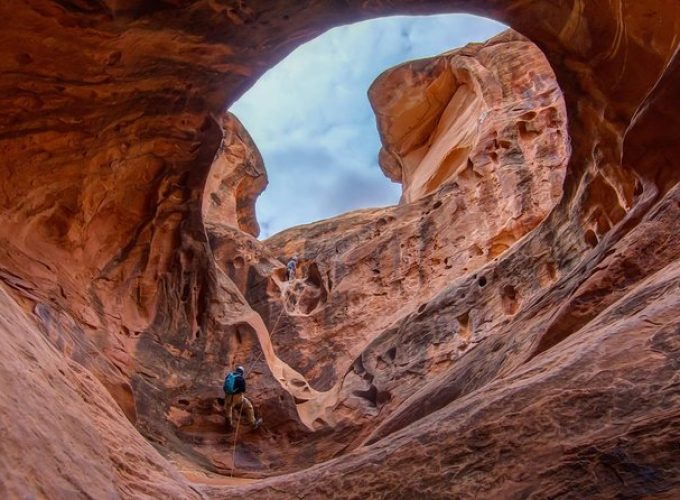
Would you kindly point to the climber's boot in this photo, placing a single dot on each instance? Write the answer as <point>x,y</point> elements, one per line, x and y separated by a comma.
<point>258,423</point>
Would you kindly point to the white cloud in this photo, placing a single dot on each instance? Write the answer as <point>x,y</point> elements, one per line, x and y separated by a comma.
<point>312,122</point>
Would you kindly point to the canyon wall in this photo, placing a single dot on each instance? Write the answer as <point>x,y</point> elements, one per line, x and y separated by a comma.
<point>362,272</point>
<point>236,179</point>
<point>540,359</point>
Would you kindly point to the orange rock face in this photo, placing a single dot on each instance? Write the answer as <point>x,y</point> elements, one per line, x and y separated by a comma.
<point>476,340</point>
<point>236,179</point>
<point>364,271</point>
<point>493,108</point>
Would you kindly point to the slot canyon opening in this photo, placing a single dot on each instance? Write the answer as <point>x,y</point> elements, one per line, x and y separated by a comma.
<point>477,139</point>
<point>475,136</point>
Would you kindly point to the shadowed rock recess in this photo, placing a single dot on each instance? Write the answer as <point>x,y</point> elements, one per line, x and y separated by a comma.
<point>511,329</point>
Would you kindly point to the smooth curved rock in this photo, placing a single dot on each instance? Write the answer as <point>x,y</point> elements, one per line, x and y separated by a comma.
<point>478,109</point>
<point>370,269</point>
<point>236,179</point>
<point>567,380</point>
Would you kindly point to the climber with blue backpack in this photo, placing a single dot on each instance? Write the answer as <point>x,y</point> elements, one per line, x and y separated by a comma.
<point>234,397</point>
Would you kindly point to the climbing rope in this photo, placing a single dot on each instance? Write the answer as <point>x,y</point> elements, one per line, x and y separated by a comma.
<point>238,422</point>
<point>233,448</point>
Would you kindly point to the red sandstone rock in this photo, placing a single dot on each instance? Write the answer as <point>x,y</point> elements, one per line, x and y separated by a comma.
<point>563,380</point>
<point>55,416</point>
<point>482,109</point>
<point>236,179</point>
<point>362,272</point>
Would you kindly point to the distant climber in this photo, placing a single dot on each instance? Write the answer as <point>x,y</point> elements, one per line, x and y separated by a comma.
<point>292,268</point>
<point>234,398</point>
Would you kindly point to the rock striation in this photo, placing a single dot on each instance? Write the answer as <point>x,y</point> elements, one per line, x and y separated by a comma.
<point>536,356</point>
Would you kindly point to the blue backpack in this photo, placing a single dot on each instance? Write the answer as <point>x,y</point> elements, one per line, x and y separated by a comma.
<point>230,383</point>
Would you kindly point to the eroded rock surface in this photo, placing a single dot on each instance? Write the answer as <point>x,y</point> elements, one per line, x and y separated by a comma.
<point>485,108</point>
<point>547,367</point>
<point>236,179</point>
<point>364,271</point>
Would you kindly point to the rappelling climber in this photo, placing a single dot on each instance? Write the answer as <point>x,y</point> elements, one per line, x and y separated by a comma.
<point>234,398</point>
<point>292,268</point>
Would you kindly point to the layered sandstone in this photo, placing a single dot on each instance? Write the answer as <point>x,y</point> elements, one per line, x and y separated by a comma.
<point>547,369</point>
<point>54,406</point>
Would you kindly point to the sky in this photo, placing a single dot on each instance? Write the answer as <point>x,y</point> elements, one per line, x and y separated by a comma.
<point>311,120</point>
